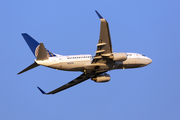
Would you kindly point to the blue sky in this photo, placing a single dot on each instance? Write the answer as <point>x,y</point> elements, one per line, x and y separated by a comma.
<point>72,27</point>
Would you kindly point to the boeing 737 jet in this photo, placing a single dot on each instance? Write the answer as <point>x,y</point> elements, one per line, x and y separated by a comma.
<point>93,67</point>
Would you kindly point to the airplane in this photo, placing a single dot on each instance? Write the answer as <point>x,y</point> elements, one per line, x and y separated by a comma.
<point>94,67</point>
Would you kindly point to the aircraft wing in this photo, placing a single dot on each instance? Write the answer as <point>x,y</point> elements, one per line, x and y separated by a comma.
<point>76,81</point>
<point>104,46</point>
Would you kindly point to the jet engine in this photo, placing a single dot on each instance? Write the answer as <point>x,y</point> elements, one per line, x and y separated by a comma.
<point>102,78</point>
<point>119,57</point>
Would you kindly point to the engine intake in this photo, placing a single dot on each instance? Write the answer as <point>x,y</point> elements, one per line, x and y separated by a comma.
<point>119,57</point>
<point>102,78</point>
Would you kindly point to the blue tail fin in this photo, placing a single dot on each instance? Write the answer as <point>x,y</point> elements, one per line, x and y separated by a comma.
<point>34,45</point>
<point>31,42</point>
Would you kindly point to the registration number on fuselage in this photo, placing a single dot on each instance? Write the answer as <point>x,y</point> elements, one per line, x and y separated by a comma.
<point>70,63</point>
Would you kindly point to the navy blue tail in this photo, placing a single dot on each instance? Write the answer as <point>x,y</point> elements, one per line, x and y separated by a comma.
<point>31,42</point>
<point>34,45</point>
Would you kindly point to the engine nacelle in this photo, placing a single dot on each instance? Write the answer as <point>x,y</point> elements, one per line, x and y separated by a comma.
<point>119,57</point>
<point>102,78</point>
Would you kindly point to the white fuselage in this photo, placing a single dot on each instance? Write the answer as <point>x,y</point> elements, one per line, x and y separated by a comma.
<point>83,62</point>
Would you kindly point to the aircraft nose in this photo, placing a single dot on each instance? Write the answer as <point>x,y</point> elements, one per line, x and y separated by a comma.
<point>149,61</point>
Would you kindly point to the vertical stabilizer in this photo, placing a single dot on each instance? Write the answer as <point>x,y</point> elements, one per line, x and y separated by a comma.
<point>32,43</point>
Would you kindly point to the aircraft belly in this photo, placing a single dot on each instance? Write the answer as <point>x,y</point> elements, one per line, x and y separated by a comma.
<point>55,66</point>
<point>73,66</point>
<point>98,67</point>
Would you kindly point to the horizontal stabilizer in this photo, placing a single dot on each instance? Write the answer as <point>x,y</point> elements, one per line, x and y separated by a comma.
<point>29,67</point>
<point>41,52</point>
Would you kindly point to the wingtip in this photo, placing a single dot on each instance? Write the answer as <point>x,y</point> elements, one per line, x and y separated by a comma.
<point>23,33</point>
<point>41,90</point>
<point>100,17</point>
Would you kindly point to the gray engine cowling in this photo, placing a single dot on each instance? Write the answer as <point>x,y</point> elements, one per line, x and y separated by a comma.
<point>119,57</point>
<point>102,78</point>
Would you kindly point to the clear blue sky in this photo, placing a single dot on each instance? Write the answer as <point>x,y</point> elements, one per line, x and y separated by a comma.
<point>72,27</point>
